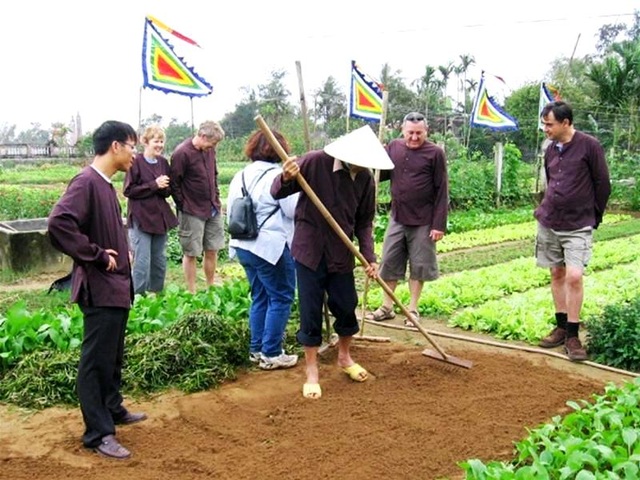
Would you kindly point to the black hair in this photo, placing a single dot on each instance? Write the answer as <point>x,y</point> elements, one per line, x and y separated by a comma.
<point>112,131</point>
<point>561,111</point>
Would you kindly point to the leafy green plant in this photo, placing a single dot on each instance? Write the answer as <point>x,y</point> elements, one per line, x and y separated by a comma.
<point>614,337</point>
<point>528,315</point>
<point>23,331</point>
<point>597,440</point>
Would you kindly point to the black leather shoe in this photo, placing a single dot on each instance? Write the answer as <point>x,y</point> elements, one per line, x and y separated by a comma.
<point>130,418</point>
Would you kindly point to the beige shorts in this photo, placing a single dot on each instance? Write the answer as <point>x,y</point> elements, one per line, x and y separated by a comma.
<point>555,248</point>
<point>197,235</point>
<point>404,244</point>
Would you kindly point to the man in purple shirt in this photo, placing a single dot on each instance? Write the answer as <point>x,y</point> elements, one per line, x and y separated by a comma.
<point>340,178</point>
<point>86,224</point>
<point>194,187</point>
<point>419,206</point>
<point>578,188</point>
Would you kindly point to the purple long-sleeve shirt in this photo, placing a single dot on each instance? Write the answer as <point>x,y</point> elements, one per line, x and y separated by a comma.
<point>147,204</point>
<point>350,202</point>
<point>578,184</point>
<point>194,180</point>
<point>83,224</point>
<point>419,184</point>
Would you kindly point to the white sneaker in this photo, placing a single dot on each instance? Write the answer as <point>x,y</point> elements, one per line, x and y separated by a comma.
<point>255,357</point>
<point>281,361</point>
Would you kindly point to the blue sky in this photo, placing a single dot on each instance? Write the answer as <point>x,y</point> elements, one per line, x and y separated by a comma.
<point>66,57</point>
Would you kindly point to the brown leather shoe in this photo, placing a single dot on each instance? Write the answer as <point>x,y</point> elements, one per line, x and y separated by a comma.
<point>130,418</point>
<point>109,447</point>
<point>554,339</point>
<point>574,349</point>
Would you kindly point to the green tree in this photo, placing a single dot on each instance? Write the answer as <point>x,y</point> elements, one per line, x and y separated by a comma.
<point>402,99</point>
<point>522,104</point>
<point>175,133</point>
<point>273,99</point>
<point>240,122</point>
<point>330,103</point>
<point>7,133</point>
<point>35,135</point>
<point>617,81</point>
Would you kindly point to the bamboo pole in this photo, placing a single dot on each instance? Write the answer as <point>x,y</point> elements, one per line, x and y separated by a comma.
<point>303,107</point>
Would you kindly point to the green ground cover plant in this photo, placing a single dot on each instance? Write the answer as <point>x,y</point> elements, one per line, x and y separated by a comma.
<point>502,233</point>
<point>598,440</point>
<point>23,331</point>
<point>43,174</point>
<point>22,202</point>
<point>197,352</point>
<point>614,337</point>
<point>528,316</point>
<point>467,288</point>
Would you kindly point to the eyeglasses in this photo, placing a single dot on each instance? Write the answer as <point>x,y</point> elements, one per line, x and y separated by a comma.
<point>132,146</point>
<point>413,117</point>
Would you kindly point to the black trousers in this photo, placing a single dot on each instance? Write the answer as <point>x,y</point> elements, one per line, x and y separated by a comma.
<point>100,371</point>
<point>342,301</point>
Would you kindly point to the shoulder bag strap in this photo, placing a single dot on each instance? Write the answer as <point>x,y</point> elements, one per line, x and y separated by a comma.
<point>277,207</point>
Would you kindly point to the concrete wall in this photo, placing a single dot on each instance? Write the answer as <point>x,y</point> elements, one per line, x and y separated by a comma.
<point>25,246</point>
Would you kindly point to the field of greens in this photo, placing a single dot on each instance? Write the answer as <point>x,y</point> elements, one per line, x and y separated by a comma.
<point>489,283</point>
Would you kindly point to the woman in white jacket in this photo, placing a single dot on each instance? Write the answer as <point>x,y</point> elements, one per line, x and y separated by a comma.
<point>266,259</point>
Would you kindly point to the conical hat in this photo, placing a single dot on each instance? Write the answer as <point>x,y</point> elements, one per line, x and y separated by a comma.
<point>360,147</point>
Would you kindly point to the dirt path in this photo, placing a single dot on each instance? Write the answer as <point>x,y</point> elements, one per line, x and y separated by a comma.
<point>415,418</point>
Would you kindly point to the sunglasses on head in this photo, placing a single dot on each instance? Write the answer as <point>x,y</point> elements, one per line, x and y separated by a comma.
<point>413,117</point>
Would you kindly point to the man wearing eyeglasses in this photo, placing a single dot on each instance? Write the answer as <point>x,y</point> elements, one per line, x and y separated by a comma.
<point>578,189</point>
<point>195,191</point>
<point>87,225</point>
<point>419,205</point>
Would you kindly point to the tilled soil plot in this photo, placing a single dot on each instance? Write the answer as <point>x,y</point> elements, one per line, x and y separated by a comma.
<point>414,418</point>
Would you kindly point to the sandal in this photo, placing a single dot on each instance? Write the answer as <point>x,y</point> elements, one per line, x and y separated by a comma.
<point>415,315</point>
<point>380,314</point>
<point>356,372</point>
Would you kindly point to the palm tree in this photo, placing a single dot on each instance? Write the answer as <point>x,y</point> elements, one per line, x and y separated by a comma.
<point>617,80</point>
<point>426,86</point>
<point>465,62</point>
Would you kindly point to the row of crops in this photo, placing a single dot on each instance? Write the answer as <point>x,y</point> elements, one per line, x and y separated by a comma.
<point>509,297</point>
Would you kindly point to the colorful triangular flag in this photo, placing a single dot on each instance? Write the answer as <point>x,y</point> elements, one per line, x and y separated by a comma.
<point>164,70</point>
<point>548,94</point>
<point>173,32</point>
<point>366,96</point>
<point>487,113</point>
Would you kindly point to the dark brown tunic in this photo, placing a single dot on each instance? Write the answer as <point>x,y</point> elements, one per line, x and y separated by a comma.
<point>350,202</point>
<point>419,185</point>
<point>85,222</point>
<point>147,204</point>
<point>194,180</point>
<point>578,185</point>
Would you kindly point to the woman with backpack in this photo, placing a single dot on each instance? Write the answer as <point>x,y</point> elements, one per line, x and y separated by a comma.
<point>266,258</point>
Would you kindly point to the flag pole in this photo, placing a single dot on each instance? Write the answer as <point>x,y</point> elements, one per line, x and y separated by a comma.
<point>376,179</point>
<point>140,110</point>
<point>303,107</point>
<point>193,128</point>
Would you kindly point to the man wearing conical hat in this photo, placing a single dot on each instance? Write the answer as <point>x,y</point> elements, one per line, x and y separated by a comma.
<point>340,177</point>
